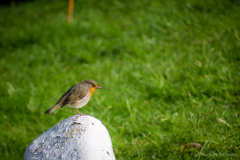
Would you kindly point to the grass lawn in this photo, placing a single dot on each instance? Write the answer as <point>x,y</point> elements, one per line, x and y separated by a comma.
<point>169,72</point>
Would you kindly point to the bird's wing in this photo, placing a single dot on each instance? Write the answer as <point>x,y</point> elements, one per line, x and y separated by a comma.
<point>63,98</point>
<point>75,93</point>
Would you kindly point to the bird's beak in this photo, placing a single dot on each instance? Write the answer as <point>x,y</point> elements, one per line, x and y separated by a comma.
<point>98,87</point>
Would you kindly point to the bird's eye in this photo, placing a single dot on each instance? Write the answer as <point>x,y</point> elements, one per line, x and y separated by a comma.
<point>94,85</point>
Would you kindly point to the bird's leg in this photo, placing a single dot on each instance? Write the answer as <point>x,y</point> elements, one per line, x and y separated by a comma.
<point>78,112</point>
<point>73,111</point>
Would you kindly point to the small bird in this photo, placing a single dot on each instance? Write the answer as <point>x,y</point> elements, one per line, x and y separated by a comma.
<point>77,96</point>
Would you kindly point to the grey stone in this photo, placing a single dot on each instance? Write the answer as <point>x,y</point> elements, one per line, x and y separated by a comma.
<point>78,137</point>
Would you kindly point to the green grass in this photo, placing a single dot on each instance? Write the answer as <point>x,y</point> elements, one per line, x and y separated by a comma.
<point>169,72</point>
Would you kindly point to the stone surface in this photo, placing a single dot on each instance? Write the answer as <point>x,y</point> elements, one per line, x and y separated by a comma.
<point>78,137</point>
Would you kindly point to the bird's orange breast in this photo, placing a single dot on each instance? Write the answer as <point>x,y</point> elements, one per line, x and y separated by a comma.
<point>91,90</point>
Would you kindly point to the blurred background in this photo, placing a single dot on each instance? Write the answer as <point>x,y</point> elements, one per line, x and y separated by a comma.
<point>169,72</point>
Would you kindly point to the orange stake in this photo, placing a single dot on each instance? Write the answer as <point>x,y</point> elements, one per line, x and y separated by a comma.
<point>70,10</point>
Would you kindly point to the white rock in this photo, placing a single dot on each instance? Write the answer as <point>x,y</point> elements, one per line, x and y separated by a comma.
<point>78,137</point>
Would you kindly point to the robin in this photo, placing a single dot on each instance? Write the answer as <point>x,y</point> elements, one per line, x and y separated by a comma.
<point>77,96</point>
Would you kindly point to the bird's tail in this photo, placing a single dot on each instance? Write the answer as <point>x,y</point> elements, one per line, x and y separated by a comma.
<point>60,103</point>
<point>52,109</point>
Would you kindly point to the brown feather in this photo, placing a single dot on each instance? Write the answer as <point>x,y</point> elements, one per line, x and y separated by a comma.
<point>75,93</point>
<point>59,103</point>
